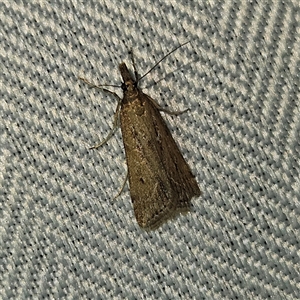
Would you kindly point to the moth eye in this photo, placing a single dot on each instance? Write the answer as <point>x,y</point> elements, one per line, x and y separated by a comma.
<point>142,180</point>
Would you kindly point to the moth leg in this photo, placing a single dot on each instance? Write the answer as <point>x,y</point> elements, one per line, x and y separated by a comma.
<point>116,115</point>
<point>170,112</point>
<point>122,187</point>
<point>116,124</point>
<point>99,87</point>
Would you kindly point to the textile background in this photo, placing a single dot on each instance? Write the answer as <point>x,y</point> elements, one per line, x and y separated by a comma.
<point>63,235</point>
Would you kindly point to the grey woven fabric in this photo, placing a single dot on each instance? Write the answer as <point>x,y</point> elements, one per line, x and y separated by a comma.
<point>64,236</point>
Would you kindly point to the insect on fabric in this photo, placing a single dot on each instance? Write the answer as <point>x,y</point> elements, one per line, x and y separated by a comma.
<point>161,182</point>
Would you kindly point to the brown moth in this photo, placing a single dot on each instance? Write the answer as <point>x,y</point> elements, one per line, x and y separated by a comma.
<point>161,183</point>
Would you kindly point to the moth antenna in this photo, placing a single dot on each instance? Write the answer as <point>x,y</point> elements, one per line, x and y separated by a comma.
<point>181,45</point>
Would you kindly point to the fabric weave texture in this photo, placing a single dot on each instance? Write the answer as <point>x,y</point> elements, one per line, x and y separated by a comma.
<point>63,235</point>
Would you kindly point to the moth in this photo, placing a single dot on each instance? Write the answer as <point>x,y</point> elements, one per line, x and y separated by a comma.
<point>161,182</point>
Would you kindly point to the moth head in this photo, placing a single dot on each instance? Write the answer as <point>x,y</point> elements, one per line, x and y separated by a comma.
<point>129,86</point>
